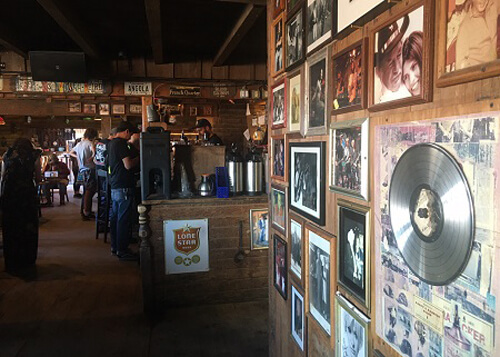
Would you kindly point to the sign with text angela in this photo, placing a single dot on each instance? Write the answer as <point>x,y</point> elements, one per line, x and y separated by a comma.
<point>138,88</point>
<point>186,246</point>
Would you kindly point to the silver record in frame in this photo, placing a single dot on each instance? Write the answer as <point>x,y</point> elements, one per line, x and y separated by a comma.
<point>431,212</point>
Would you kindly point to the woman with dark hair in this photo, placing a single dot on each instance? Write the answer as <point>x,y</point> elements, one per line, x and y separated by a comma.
<point>21,172</point>
<point>412,62</point>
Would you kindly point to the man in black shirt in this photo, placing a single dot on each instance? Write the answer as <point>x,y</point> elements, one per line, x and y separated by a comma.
<point>204,128</point>
<point>122,164</point>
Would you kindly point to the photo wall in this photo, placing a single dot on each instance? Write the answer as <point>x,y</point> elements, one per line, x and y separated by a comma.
<point>384,207</point>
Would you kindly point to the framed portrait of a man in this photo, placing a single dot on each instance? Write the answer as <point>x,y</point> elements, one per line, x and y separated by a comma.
<point>259,228</point>
<point>278,157</point>
<point>295,98</point>
<point>351,330</point>
<point>402,56</point>
<point>320,18</point>
<point>296,251</point>
<point>317,94</point>
<point>298,317</point>
<point>280,276</point>
<point>295,44</point>
<point>278,46</point>
<point>278,208</point>
<point>307,179</point>
<point>278,106</point>
<point>353,251</point>
<point>468,47</point>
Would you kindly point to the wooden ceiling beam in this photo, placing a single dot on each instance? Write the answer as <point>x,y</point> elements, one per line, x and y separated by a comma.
<point>252,2</point>
<point>156,33</point>
<point>243,25</point>
<point>71,25</point>
<point>8,42</point>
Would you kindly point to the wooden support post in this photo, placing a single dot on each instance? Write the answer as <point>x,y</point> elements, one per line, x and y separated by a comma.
<point>146,259</point>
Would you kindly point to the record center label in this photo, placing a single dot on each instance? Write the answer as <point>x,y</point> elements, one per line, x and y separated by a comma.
<point>426,213</point>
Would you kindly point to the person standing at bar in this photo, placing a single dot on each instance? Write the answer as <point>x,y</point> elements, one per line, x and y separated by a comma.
<point>122,164</point>
<point>204,128</point>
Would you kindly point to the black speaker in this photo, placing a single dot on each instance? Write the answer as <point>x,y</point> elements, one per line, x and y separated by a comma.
<point>58,66</point>
<point>155,166</point>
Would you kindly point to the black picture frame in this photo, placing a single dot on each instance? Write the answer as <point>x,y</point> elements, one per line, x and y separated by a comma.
<point>280,264</point>
<point>297,24</point>
<point>314,208</point>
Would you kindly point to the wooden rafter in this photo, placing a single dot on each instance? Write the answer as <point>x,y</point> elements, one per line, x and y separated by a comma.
<point>156,34</point>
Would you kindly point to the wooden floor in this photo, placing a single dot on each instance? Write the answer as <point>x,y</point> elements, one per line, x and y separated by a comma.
<point>84,302</point>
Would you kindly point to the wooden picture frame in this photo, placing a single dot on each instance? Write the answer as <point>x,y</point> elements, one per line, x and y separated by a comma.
<point>259,228</point>
<point>104,109</point>
<point>298,317</point>
<point>278,158</point>
<point>279,6</point>
<point>278,208</point>
<point>89,108</point>
<point>74,107</point>
<point>350,11</point>
<point>321,18</point>
<point>482,65</point>
<point>118,109</point>
<point>317,93</point>
<point>295,99</point>
<point>297,254</point>
<point>349,76</point>
<point>295,39</point>
<point>349,157</point>
<point>278,46</point>
<point>278,106</point>
<point>410,26</point>
<point>307,179</point>
<point>280,263</point>
<point>135,108</point>
<point>353,253</point>
<point>352,329</point>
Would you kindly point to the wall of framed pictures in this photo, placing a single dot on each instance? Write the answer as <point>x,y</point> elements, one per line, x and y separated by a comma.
<point>406,74</point>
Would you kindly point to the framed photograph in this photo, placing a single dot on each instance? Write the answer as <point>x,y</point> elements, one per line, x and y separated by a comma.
<point>317,96</point>
<point>278,49</point>
<point>353,251</point>
<point>294,100</point>
<point>295,44</point>
<point>89,108</point>
<point>298,318</point>
<point>307,179</point>
<point>320,26</point>
<point>296,250</point>
<point>103,109</point>
<point>278,106</point>
<point>351,10</point>
<point>292,5</point>
<point>135,109</point>
<point>118,108</point>
<point>278,7</point>
<point>278,208</point>
<point>349,144</point>
<point>259,231</point>
<point>349,79</point>
<point>75,107</point>
<point>193,111</point>
<point>280,266</point>
<point>468,47</point>
<point>319,280</point>
<point>402,58</point>
<point>207,110</point>
<point>351,330</point>
<point>278,153</point>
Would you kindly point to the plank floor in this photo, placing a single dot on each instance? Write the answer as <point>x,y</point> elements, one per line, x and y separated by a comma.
<point>84,302</point>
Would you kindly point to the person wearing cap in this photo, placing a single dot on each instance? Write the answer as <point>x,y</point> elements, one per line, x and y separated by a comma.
<point>389,63</point>
<point>122,164</point>
<point>62,178</point>
<point>204,128</point>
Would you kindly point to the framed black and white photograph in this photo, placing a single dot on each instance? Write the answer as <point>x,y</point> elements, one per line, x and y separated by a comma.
<point>351,10</point>
<point>135,109</point>
<point>89,108</point>
<point>278,46</point>
<point>298,317</point>
<point>74,107</point>
<point>317,94</point>
<point>319,280</point>
<point>103,108</point>
<point>319,23</point>
<point>259,228</point>
<point>307,179</point>
<point>278,106</point>
<point>280,266</point>
<point>296,229</point>
<point>118,109</point>
<point>278,157</point>
<point>402,59</point>
<point>354,251</point>
<point>295,95</point>
<point>295,44</point>
<point>293,5</point>
<point>349,144</point>
<point>351,330</point>
<point>278,208</point>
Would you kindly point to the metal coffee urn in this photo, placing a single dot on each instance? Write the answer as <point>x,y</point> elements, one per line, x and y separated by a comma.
<point>235,171</point>
<point>253,176</point>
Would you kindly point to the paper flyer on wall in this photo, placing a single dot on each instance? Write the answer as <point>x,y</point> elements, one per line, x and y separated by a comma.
<point>458,319</point>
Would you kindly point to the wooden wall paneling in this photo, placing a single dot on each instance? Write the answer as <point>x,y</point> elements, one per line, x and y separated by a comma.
<point>13,61</point>
<point>131,67</point>
<point>159,70</point>
<point>260,72</point>
<point>220,72</point>
<point>241,72</point>
<point>188,70</point>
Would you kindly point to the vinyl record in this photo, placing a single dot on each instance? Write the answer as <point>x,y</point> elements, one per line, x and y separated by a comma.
<point>431,212</point>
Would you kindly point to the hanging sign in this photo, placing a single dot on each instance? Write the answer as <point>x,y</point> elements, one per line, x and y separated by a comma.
<point>29,85</point>
<point>186,246</point>
<point>138,88</point>
<point>185,91</point>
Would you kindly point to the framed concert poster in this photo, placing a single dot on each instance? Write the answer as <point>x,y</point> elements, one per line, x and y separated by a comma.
<point>353,251</point>
<point>294,100</point>
<point>349,78</point>
<point>259,228</point>
<point>280,276</point>
<point>307,179</point>
<point>278,106</point>
<point>296,229</point>
<point>351,329</point>
<point>278,153</point>
<point>317,94</point>
<point>465,51</point>
<point>278,46</point>
<point>349,144</point>
<point>278,208</point>
<point>402,58</point>
<point>320,18</point>
<point>298,317</point>
<point>295,44</point>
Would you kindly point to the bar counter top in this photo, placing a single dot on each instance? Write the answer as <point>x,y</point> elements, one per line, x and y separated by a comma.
<point>199,200</point>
